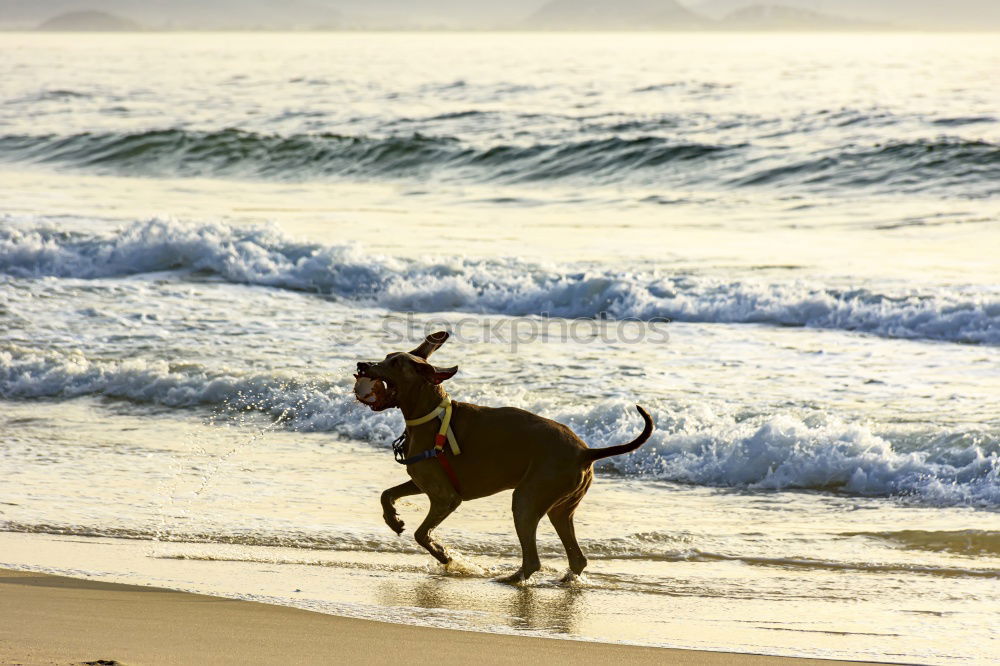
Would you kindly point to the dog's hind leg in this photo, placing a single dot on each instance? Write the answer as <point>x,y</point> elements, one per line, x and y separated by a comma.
<point>561,517</point>
<point>389,498</point>
<point>441,508</point>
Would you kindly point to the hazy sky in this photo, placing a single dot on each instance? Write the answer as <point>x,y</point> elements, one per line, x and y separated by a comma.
<point>479,13</point>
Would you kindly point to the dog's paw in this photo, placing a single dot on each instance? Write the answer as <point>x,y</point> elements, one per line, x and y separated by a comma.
<point>516,578</point>
<point>394,523</point>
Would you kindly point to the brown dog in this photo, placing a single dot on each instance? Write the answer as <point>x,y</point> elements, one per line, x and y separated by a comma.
<point>549,467</point>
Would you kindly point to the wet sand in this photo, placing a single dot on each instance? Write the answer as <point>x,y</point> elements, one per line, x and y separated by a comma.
<point>57,620</point>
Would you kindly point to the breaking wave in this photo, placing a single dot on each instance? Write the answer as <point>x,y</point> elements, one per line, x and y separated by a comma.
<point>264,256</point>
<point>770,452</point>
<point>943,162</point>
<point>238,153</point>
<point>906,165</point>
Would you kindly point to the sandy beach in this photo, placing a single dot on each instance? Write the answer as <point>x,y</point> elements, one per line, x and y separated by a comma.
<point>57,620</point>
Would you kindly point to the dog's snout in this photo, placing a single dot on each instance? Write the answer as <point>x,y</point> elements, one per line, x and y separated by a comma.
<point>368,369</point>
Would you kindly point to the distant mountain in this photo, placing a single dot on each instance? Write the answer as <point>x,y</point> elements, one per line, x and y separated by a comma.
<point>89,21</point>
<point>197,14</point>
<point>780,17</point>
<point>613,15</point>
<point>932,14</point>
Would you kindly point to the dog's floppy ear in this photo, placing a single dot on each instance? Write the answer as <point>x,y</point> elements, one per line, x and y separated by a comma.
<point>436,375</point>
<point>430,345</point>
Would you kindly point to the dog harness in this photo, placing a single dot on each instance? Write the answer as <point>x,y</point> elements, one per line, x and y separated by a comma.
<point>444,434</point>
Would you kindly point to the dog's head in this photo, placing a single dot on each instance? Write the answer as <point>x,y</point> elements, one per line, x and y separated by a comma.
<point>401,375</point>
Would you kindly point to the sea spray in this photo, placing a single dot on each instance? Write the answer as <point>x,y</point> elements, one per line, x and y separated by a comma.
<point>189,465</point>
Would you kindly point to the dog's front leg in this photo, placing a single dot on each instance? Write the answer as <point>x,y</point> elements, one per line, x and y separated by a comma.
<point>389,498</point>
<point>441,508</point>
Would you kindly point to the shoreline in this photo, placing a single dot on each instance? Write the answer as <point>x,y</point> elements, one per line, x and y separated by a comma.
<point>47,619</point>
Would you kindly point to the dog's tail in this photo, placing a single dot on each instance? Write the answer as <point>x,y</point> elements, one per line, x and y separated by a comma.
<point>647,430</point>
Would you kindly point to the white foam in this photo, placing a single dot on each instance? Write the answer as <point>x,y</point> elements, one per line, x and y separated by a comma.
<point>265,256</point>
<point>783,451</point>
<point>306,406</point>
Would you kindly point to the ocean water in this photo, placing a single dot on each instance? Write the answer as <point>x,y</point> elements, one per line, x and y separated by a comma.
<point>786,247</point>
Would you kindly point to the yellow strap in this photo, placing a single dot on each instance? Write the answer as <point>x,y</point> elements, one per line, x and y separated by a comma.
<point>446,429</point>
<point>424,419</point>
<point>445,409</point>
